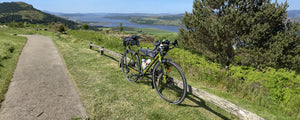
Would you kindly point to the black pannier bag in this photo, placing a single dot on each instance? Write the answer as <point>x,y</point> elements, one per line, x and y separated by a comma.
<point>133,40</point>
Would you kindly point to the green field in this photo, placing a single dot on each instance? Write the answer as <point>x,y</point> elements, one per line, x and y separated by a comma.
<point>10,49</point>
<point>210,80</point>
<point>107,95</point>
<point>155,21</point>
<point>268,92</point>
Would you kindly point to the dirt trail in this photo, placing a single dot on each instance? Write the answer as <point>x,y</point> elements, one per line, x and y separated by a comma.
<point>41,88</point>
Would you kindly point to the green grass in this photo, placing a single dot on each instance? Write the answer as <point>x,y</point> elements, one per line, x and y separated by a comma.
<point>105,92</point>
<point>206,78</point>
<point>107,95</point>
<point>10,49</point>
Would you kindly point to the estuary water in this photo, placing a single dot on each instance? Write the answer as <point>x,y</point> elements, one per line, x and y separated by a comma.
<point>101,21</point>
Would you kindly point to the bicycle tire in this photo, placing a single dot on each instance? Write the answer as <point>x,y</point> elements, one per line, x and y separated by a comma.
<point>169,89</point>
<point>130,66</point>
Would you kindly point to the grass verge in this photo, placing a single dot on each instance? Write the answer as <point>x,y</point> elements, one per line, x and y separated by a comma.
<point>89,71</point>
<point>10,49</point>
<point>203,80</point>
<point>107,95</point>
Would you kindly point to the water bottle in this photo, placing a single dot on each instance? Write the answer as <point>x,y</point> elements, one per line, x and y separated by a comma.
<point>143,63</point>
<point>148,62</point>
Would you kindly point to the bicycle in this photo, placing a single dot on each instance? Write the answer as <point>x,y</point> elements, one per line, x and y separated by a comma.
<point>167,77</point>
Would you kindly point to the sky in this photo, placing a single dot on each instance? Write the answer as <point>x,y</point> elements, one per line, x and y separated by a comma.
<point>122,6</point>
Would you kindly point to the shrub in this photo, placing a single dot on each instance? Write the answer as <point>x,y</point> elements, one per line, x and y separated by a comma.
<point>85,26</point>
<point>61,28</point>
<point>281,85</point>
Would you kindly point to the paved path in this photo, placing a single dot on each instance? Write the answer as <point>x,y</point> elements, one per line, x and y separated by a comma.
<point>41,88</point>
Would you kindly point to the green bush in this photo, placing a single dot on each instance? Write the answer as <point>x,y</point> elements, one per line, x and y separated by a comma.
<point>282,86</point>
<point>268,88</point>
<point>61,28</point>
<point>85,26</point>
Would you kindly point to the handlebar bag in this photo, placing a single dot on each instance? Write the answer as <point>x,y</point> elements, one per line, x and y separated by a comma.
<point>130,41</point>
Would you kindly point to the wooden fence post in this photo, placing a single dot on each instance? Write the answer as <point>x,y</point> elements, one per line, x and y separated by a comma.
<point>91,47</point>
<point>101,51</point>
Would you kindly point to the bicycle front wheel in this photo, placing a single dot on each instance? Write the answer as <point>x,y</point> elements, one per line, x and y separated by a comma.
<point>169,81</point>
<point>130,66</point>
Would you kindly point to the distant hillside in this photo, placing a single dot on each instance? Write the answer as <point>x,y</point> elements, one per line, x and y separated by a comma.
<point>22,12</point>
<point>151,19</point>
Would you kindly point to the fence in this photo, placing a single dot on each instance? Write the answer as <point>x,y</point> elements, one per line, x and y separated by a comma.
<point>222,103</point>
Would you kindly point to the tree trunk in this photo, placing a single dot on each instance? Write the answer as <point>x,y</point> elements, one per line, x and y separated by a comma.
<point>229,55</point>
<point>227,64</point>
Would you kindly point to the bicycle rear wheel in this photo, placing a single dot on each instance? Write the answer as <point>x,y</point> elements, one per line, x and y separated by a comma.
<point>169,82</point>
<point>130,66</point>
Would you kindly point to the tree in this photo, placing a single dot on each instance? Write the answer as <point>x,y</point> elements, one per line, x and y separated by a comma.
<point>121,27</point>
<point>209,31</point>
<point>14,24</point>
<point>255,27</point>
<point>85,26</point>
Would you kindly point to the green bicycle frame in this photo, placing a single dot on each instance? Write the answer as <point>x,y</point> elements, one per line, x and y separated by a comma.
<point>157,58</point>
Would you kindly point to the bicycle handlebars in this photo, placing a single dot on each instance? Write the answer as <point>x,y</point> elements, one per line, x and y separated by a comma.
<point>160,44</point>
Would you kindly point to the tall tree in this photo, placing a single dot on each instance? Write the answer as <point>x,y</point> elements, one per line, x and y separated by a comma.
<point>253,27</point>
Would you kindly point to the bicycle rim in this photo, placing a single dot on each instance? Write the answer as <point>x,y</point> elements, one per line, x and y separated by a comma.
<point>169,82</point>
<point>130,66</point>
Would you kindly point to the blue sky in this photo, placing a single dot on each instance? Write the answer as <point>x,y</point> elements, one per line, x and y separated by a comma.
<point>122,6</point>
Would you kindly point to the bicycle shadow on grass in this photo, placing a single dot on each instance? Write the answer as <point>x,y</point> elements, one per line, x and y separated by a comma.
<point>194,101</point>
<point>201,103</point>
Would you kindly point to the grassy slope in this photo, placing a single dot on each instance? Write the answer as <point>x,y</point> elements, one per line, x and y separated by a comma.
<point>84,66</point>
<point>276,112</point>
<point>23,12</point>
<point>107,95</point>
<point>10,49</point>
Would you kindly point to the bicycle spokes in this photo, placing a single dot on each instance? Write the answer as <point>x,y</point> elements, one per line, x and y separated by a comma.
<point>130,66</point>
<point>164,83</point>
